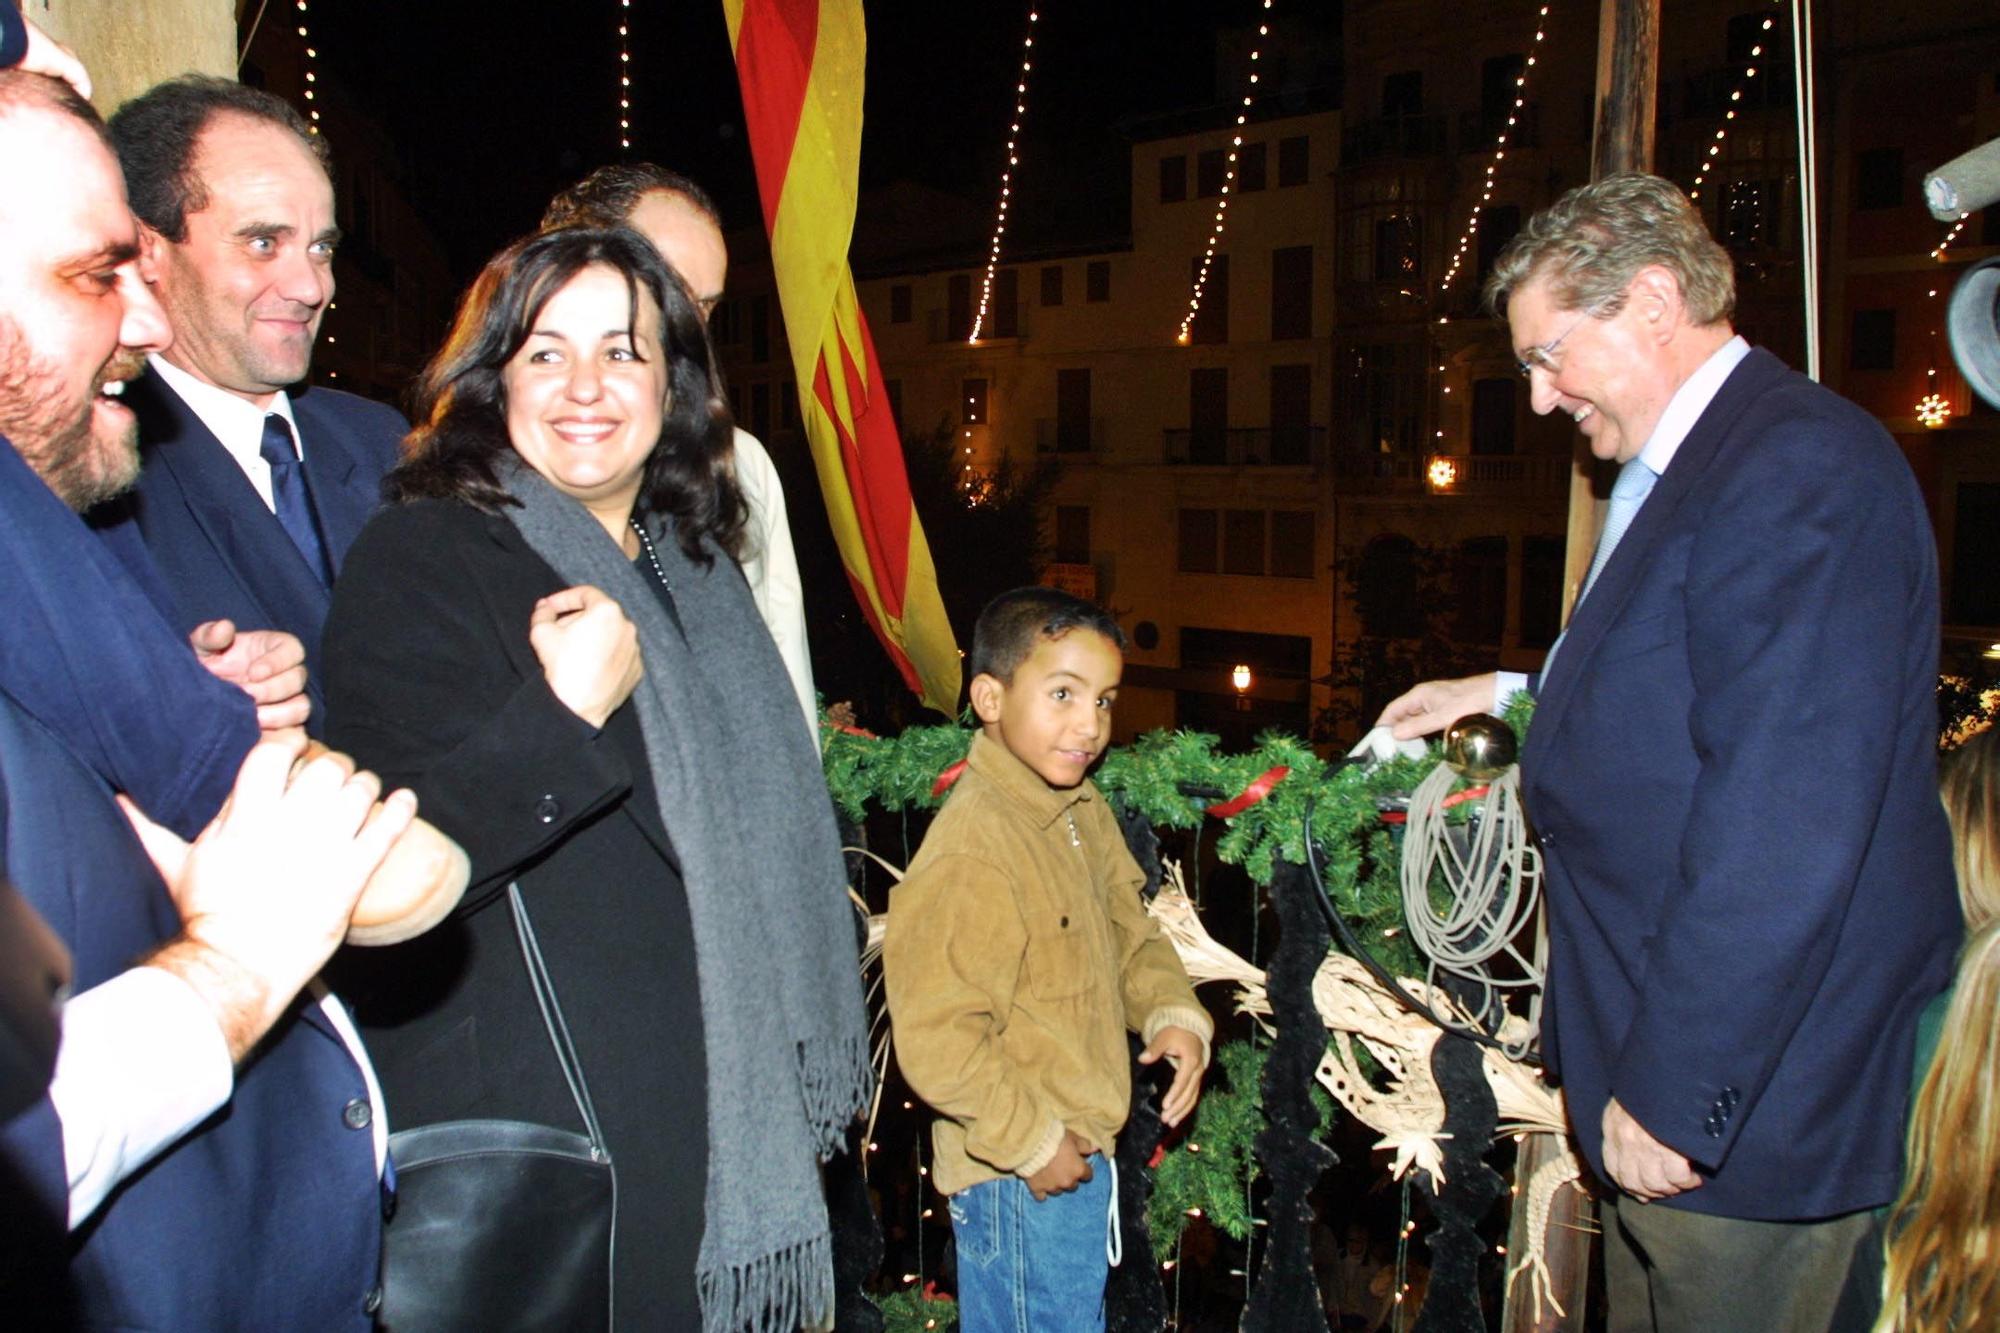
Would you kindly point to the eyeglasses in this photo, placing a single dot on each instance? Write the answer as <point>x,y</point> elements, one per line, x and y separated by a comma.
<point>1542,356</point>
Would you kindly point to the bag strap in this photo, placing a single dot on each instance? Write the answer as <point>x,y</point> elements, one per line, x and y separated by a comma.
<point>552,1019</point>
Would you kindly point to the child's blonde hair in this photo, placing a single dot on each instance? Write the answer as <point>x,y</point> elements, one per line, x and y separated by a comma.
<point>1943,1272</point>
<point>1971,789</point>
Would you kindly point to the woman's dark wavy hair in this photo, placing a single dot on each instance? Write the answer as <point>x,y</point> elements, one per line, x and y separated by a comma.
<point>460,400</point>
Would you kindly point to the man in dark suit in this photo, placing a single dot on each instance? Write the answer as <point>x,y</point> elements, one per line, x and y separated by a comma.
<point>1732,771</point>
<point>252,488</point>
<point>207,1154</point>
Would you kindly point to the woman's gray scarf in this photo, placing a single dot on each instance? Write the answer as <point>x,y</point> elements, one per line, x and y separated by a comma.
<point>742,796</point>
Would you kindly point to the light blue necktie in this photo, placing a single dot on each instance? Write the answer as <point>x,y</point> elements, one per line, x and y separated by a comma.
<point>1634,484</point>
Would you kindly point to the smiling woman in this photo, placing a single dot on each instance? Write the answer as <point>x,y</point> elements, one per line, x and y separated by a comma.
<point>549,639</point>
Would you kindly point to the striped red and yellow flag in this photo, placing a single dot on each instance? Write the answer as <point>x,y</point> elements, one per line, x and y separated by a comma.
<point>800,64</point>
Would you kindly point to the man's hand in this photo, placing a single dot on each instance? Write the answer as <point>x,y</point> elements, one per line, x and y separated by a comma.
<point>1183,1050</point>
<point>1640,1164</point>
<point>268,665</point>
<point>589,651</point>
<point>48,56</point>
<point>266,891</point>
<point>1066,1170</point>
<point>1436,704</point>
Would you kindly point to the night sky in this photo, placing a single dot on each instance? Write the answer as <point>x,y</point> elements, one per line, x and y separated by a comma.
<point>495,105</point>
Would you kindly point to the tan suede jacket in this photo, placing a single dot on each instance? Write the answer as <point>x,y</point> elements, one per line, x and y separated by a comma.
<point>1017,955</point>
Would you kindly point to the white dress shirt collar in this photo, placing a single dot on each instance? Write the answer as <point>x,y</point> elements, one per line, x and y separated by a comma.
<point>1689,402</point>
<point>237,423</point>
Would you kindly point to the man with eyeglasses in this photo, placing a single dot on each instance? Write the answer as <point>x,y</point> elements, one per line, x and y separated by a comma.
<point>1731,769</point>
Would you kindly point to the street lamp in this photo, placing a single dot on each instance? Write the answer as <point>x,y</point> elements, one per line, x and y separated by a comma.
<point>1240,677</point>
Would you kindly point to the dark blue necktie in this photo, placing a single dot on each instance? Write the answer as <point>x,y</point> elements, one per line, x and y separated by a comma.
<point>291,498</point>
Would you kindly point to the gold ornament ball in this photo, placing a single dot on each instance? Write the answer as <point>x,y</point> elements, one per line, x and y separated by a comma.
<point>1480,747</point>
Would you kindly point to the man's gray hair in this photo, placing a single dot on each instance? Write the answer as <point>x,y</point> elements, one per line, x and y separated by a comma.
<point>1590,243</point>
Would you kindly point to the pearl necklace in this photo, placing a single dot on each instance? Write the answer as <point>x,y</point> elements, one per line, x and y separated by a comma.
<point>652,556</point>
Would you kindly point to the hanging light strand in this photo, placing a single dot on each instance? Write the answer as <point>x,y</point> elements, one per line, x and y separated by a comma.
<point>311,71</point>
<point>624,76</point>
<point>1950,236</point>
<point>1007,172</point>
<point>1714,153</point>
<point>1228,185</point>
<point>1514,114</point>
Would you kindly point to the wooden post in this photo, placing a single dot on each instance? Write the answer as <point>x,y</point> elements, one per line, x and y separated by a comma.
<point>1628,76</point>
<point>1566,1245</point>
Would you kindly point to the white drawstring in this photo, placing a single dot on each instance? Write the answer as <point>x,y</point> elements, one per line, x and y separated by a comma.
<point>1114,1239</point>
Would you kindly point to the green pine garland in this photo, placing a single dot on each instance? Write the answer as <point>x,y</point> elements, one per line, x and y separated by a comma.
<point>910,1311</point>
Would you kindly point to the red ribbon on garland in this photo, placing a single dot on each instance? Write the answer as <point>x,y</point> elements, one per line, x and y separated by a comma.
<point>1251,794</point>
<point>1456,798</point>
<point>946,778</point>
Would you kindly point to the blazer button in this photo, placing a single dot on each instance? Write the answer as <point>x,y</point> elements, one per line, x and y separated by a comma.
<point>1730,1097</point>
<point>1713,1125</point>
<point>548,809</point>
<point>357,1114</point>
<point>372,1301</point>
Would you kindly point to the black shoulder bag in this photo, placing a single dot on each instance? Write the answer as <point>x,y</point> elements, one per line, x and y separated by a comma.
<point>500,1224</point>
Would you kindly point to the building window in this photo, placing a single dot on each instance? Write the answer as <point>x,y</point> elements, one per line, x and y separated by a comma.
<point>1003,306</point>
<point>1210,169</point>
<point>1073,411</point>
<point>1747,214</point>
<point>958,307</point>
<point>1243,541</point>
<point>1975,593</point>
<point>1878,178</point>
<point>1498,224</point>
<point>899,303</point>
<point>1291,414</point>
<point>1541,590</point>
<point>1292,160</point>
<point>1208,415</point>
<point>1250,168</point>
<point>760,329</point>
<point>1292,292</point>
<point>1173,178</point>
<point>1403,93</point>
<point>1385,589</point>
<point>1499,89</point>
<point>1097,280</point>
<point>1072,535</point>
<point>1383,386</point>
<point>1493,414</point>
<point>1292,537</point>
<point>723,325</point>
<point>1211,321</point>
<point>788,405</point>
<point>1399,248</point>
<point>895,388</point>
<point>1481,578</point>
<point>1873,346</point>
<point>972,402</point>
<point>1200,531</point>
<point>1744,32</point>
<point>1052,284</point>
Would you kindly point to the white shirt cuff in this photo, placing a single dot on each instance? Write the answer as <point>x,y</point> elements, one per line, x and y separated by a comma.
<point>1507,684</point>
<point>142,1062</point>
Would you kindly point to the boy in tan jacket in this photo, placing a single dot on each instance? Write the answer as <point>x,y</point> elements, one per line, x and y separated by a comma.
<point>1018,955</point>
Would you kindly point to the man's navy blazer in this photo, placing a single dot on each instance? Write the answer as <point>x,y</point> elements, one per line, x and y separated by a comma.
<point>217,549</point>
<point>1732,769</point>
<point>268,1214</point>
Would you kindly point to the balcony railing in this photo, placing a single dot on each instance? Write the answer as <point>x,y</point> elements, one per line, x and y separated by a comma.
<point>1001,324</point>
<point>1255,446</point>
<point>1393,136</point>
<point>1452,474</point>
<point>1059,435</point>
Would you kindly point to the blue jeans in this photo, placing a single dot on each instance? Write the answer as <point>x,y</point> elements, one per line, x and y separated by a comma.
<point>1032,1267</point>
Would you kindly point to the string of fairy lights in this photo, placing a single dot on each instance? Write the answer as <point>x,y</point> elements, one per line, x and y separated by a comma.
<point>312,71</point>
<point>624,75</point>
<point>1228,184</point>
<point>1514,114</point>
<point>1714,153</point>
<point>1007,173</point>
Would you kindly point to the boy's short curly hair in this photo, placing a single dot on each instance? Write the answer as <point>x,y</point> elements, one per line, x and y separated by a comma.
<point>1011,623</point>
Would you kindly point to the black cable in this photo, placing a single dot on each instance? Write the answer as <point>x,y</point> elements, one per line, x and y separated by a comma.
<point>1348,941</point>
